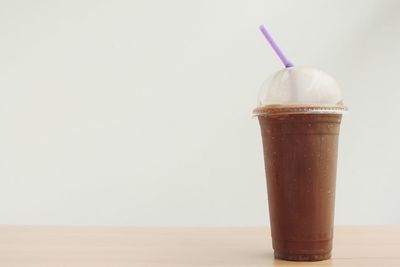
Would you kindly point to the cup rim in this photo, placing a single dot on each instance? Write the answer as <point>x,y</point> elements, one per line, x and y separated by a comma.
<point>299,109</point>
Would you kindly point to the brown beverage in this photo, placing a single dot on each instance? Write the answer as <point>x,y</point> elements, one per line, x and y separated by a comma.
<point>300,153</point>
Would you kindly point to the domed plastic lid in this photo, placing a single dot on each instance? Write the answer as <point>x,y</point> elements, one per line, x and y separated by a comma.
<point>300,90</point>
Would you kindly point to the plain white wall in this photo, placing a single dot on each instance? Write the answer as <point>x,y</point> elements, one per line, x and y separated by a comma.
<point>139,112</point>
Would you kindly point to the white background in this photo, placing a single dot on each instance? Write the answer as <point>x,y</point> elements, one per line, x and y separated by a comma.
<point>139,112</point>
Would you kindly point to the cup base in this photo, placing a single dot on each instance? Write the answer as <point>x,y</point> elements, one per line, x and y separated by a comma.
<point>302,257</point>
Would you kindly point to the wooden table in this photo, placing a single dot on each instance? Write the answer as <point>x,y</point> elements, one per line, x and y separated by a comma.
<point>231,246</point>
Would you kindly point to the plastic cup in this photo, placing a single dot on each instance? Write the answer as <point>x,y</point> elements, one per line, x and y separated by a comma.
<point>300,143</point>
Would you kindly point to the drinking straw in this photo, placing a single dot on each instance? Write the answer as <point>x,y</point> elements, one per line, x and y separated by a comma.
<point>276,48</point>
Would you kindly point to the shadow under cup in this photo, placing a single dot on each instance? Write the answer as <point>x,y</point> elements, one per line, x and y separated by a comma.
<point>300,155</point>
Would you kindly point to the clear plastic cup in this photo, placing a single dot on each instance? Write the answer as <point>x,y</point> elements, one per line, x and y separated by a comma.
<point>299,111</point>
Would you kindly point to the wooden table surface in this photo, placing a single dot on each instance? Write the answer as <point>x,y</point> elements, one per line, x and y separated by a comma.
<point>230,246</point>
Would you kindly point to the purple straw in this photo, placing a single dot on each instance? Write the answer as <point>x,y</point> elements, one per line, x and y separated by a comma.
<point>274,46</point>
